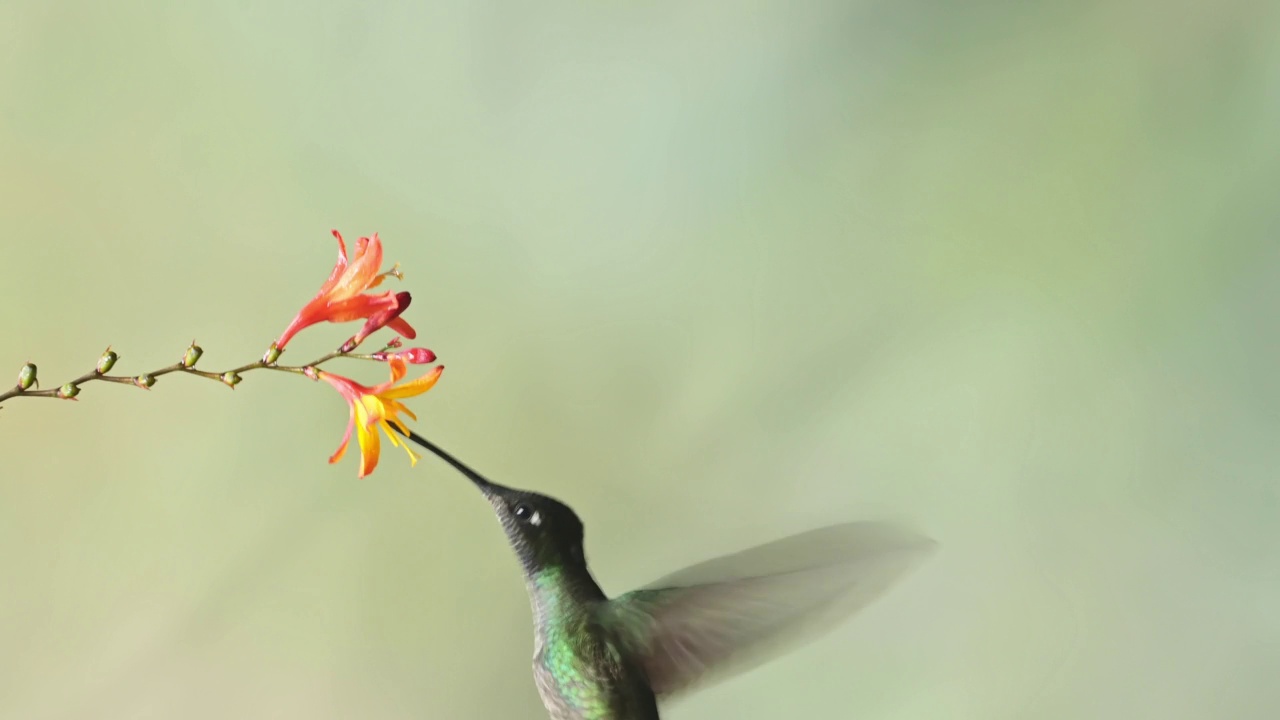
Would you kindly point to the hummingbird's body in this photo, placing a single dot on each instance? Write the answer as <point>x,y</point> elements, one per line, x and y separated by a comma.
<point>578,666</point>
<point>601,658</point>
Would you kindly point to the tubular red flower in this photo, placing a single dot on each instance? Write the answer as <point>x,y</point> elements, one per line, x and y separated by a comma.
<point>388,316</point>
<point>342,297</point>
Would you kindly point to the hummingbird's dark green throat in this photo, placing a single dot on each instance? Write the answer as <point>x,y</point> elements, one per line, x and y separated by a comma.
<point>602,658</point>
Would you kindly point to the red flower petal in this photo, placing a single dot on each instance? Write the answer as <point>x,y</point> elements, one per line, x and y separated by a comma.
<point>382,317</point>
<point>360,273</point>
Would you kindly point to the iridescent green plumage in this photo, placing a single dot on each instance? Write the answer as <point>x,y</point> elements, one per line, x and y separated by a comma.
<point>580,666</point>
<point>597,658</point>
<point>580,671</point>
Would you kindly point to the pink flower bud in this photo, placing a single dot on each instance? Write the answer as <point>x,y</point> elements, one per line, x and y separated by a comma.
<point>412,356</point>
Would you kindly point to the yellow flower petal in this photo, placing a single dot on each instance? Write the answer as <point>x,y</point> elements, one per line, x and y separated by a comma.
<point>370,445</point>
<point>413,387</point>
<point>395,407</point>
<point>374,408</point>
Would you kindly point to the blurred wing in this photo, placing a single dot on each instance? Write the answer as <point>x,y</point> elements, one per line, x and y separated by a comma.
<point>732,614</point>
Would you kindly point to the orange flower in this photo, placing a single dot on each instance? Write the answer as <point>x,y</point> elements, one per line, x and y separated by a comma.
<point>378,405</point>
<point>342,298</point>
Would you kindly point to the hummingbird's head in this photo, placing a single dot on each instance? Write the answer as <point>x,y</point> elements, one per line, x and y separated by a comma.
<point>543,531</point>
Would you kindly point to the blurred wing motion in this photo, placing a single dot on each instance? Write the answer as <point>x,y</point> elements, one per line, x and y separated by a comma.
<point>729,615</point>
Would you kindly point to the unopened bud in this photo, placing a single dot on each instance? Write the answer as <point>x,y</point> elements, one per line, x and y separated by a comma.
<point>311,372</point>
<point>395,343</point>
<point>272,355</point>
<point>231,379</point>
<point>413,356</point>
<point>27,376</point>
<point>145,381</point>
<point>107,361</point>
<point>378,320</point>
<point>68,391</point>
<point>192,356</point>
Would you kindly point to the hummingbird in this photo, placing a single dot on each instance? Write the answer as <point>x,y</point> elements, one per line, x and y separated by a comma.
<point>621,658</point>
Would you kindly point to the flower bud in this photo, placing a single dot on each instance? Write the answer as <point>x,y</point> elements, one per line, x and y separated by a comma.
<point>27,377</point>
<point>395,343</point>
<point>311,372</point>
<point>145,381</point>
<point>378,320</point>
<point>231,379</point>
<point>413,356</point>
<point>68,391</point>
<point>107,361</point>
<point>272,355</point>
<point>192,356</point>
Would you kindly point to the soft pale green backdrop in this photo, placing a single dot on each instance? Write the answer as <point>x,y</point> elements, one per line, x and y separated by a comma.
<point>711,272</point>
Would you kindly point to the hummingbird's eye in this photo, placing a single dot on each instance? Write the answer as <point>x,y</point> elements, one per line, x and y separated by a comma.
<point>527,514</point>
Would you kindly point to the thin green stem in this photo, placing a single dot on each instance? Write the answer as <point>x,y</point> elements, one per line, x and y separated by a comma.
<point>227,377</point>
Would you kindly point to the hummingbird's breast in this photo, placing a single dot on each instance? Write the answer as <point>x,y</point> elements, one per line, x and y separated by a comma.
<point>589,678</point>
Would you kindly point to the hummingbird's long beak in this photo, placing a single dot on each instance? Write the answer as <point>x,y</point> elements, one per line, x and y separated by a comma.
<point>489,488</point>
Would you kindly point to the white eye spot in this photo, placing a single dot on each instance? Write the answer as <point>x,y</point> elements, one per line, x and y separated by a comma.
<point>535,519</point>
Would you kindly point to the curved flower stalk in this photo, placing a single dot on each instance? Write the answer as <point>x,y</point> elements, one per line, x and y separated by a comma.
<point>343,297</point>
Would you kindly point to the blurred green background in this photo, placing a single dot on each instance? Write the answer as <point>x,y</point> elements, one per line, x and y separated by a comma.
<point>710,272</point>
